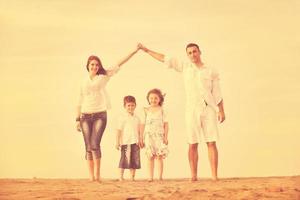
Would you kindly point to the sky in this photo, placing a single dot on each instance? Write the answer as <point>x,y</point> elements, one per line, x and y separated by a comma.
<point>45,45</point>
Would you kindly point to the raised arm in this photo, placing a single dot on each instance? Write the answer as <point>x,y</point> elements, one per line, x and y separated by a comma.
<point>124,60</point>
<point>158,56</point>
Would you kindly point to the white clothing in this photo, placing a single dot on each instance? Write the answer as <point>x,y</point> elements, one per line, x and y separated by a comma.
<point>202,91</point>
<point>93,95</point>
<point>129,126</point>
<point>154,133</point>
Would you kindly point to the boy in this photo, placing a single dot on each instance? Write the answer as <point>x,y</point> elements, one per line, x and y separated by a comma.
<point>128,138</point>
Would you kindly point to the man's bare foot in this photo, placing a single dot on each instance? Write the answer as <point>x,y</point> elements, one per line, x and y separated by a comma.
<point>193,179</point>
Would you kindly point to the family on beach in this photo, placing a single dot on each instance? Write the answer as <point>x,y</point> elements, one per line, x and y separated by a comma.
<point>204,109</point>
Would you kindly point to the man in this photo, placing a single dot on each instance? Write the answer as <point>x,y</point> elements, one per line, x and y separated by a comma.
<point>204,104</point>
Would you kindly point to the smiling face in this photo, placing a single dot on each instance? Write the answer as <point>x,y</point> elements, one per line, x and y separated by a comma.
<point>154,99</point>
<point>130,107</point>
<point>193,54</point>
<point>93,67</point>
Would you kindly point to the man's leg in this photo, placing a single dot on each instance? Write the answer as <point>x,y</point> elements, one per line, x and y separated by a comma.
<point>193,159</point>
<point>213,159</point>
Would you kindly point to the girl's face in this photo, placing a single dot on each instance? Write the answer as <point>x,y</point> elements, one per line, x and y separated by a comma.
<point>93,67</point>
<point>154,99</point>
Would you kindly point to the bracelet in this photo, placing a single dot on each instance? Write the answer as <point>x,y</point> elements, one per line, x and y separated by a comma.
<point>77,119</point>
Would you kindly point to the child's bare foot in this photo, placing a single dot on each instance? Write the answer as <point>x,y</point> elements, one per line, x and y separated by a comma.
<point>150,180</point>
<point>215,179</point>
<point>98,180</point>
<point>121,179</point>
<point>132,179</point>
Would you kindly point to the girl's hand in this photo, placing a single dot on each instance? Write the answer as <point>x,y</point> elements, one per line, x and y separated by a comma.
<point>78,127</point>
<point>118,146</point>
<point>165,141</point>
<point>141,144</point>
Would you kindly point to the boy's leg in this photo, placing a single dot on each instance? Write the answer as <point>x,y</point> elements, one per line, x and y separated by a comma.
<point>193,160</point>
<point>132,172</point>
<point>213,159</point>
<point>121,174</point>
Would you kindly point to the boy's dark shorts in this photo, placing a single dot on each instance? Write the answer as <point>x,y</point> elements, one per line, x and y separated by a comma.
<point>130,157</point>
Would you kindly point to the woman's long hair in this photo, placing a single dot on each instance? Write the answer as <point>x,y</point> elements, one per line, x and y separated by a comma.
<point>101,70</point>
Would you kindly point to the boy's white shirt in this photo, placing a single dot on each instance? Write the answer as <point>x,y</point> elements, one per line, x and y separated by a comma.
<point>129,126</point>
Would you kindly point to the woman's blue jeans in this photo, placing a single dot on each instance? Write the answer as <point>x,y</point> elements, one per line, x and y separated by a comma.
<point>93,126</point>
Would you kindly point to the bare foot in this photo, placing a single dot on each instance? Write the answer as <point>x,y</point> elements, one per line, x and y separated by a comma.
<point>98,180</point>
<point>150,180</point>
<point>121,179</point>
<point>215,179</point>
<point>193,179</point>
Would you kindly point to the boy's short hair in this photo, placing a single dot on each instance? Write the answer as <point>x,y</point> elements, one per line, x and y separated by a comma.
<point>129,99</point>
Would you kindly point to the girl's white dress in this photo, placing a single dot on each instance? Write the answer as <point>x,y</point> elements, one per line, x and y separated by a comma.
<point>154,133</point>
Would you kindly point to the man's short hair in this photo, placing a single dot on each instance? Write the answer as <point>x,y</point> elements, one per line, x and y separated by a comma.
<point>192,45</point>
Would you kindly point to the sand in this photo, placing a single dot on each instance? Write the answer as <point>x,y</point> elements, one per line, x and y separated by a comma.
<point>280,188</point>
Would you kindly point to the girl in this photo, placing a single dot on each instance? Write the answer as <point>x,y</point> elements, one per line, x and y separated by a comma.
<point>91,111</point>
<point>154,127</point>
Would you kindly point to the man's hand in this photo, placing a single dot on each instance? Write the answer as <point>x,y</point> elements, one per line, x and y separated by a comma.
<point>141,46</point>
<point>221,116</point>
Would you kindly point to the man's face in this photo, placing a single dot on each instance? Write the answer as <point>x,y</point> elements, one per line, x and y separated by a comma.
<point>193,53</point>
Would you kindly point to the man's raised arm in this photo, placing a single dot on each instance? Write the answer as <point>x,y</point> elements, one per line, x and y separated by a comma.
<point>158,56</point>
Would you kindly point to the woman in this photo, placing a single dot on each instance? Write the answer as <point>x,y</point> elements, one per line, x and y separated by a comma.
<point>91,112</point>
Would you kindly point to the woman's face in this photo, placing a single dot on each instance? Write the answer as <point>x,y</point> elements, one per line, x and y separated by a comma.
<point>93,67</point>
<point>154,99</point>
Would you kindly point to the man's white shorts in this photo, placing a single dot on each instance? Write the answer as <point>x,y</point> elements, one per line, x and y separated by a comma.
<point>201,125</point>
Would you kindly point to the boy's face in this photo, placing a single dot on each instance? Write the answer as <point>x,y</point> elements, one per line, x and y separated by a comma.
<point>130,106</point>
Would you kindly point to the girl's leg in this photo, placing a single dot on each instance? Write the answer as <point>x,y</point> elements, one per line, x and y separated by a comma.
<point>121,174</point>
<point>151,167</point>
<point>213,159</point>
<point>160,167</point>
<point>132,172</point>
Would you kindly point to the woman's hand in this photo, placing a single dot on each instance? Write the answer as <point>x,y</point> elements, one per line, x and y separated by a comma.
<point>118,146</point>
<point>78,126</point>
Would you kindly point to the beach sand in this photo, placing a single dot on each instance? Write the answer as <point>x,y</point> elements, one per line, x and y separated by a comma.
<point>285,188</point>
